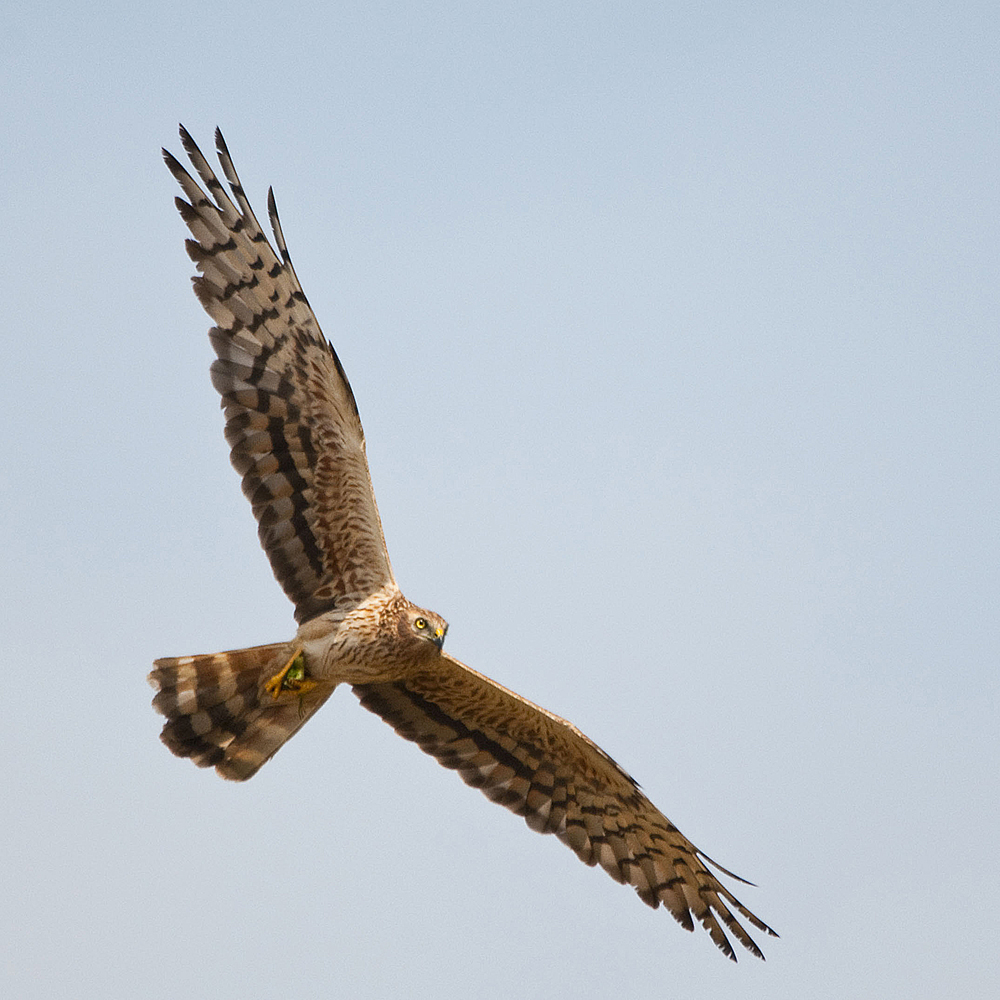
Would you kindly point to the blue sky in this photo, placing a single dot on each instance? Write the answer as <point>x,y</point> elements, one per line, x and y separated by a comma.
<point>674,334</point>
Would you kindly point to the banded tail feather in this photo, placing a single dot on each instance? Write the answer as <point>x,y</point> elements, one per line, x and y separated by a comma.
<point>218,712</point>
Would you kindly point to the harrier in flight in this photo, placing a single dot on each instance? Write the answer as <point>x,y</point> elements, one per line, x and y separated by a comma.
<point>296,439</point>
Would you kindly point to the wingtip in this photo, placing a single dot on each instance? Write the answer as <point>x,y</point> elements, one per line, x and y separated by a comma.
<point>724,870</point>
<point>174,165</point>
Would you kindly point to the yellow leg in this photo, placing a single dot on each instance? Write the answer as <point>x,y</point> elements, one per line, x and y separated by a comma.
<point>291,677</point>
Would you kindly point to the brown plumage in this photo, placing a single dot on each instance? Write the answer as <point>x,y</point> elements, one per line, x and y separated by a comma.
<point>296,439</point>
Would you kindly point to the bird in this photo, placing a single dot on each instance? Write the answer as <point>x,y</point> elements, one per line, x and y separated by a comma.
<point>295,437</point>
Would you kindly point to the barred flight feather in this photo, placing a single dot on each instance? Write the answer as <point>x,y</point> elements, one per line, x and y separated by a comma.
<point>544,769</point>
<point>291,419</point>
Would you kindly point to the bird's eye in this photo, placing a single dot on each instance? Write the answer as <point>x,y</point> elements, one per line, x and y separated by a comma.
<point>420,623</point>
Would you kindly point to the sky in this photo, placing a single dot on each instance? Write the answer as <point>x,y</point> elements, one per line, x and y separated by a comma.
<point>674,331</point>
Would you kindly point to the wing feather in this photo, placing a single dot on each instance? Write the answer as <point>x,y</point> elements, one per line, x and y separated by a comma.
<point>544,769</point>
<point>291,419</point>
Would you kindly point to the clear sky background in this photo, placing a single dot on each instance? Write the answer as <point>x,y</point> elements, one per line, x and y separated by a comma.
<point>674,330</point>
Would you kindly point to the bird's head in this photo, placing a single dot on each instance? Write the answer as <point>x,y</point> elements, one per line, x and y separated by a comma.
<point>425,626</point>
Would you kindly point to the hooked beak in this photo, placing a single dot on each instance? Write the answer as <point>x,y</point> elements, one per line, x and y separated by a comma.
<point>439,634</point>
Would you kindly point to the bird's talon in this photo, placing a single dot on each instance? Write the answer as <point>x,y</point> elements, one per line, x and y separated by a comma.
<point>291,677</point>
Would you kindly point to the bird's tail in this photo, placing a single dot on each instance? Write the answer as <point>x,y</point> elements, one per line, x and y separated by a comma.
<point>220,713</point>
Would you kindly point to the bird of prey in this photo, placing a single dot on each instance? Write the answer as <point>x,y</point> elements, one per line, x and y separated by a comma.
<point>295,437</point>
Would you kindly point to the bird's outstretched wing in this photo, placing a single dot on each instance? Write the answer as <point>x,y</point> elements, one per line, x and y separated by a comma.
<point>544,769</point>
<point>291,419</point>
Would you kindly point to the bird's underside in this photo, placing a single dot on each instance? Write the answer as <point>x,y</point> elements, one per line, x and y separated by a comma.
<point>296,439</point>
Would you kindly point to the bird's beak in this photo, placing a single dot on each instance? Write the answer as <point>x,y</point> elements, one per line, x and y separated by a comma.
<point>439,634</point>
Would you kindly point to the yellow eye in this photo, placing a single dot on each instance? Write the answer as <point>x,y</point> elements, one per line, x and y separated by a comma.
<point>420,623</point>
